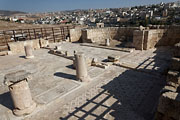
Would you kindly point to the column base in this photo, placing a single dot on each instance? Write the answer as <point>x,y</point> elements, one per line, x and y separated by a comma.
<point>84,79</point>
<point>29,57</point>
<point>26,111</point>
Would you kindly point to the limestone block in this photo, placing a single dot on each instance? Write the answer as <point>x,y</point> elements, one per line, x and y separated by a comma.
<point>175,65</point>
<point>177,50</point>
<point>75,35</point>
<point>168,88</point>
<point>175,85</point>
<point>138,39</point>
<point>169,105</point>
<point>44,43</point>
<point>113,58</point>
<point>173,76</point>
<point>33,43</point>
<point>16,47</point>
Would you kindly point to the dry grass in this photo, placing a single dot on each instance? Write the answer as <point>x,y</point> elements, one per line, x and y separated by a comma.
<point>12,25</point>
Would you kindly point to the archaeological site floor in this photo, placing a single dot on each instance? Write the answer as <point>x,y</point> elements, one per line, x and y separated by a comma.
<point>130,92</point>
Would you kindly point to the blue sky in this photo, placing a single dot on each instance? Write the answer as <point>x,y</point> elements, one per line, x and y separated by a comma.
<point>58,5</point>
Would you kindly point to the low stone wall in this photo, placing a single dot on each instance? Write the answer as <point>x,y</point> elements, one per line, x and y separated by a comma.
<point>142,38</point>
<point>98,35</point>
<point>18,47</point>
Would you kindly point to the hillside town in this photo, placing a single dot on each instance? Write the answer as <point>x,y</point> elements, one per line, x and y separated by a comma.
<point>156,14</point>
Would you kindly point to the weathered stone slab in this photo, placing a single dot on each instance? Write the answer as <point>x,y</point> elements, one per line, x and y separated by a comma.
<point>53,93</point>
<point>16,77</point>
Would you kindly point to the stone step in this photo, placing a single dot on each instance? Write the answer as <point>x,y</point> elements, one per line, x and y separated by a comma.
<point>169,106</point>
<point>173,76</point>
<point>175,64</point>
<point>177,50</point>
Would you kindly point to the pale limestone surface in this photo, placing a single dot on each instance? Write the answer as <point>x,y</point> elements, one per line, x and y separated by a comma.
<point>115,92</point>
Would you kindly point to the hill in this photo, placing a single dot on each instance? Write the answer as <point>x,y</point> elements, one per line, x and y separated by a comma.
<point>9,13</point>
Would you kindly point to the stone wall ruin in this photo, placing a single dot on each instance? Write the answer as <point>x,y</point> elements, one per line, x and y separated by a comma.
<point>147,39</point>
<point>141,38</point>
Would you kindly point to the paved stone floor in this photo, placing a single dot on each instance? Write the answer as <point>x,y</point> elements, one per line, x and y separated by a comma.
<point>113,93</point>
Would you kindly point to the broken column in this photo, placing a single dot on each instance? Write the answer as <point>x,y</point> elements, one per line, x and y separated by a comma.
<point>107,42</point>
<point>28,52</point>
<point>74,60</point>
<point>20,92</point>
<point>81,68</point>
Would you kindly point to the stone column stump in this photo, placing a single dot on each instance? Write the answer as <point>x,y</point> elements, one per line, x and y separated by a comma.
<point>107,42</point>
<point>20,92</point>
<point>29,52</point>
<point>81,68</point>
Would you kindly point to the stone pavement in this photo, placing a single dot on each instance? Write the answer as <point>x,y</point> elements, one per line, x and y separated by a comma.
<point>113,93</point>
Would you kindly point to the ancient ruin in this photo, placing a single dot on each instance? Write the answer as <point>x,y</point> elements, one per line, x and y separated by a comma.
<point>126,73</point>
<point>20,92</point>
